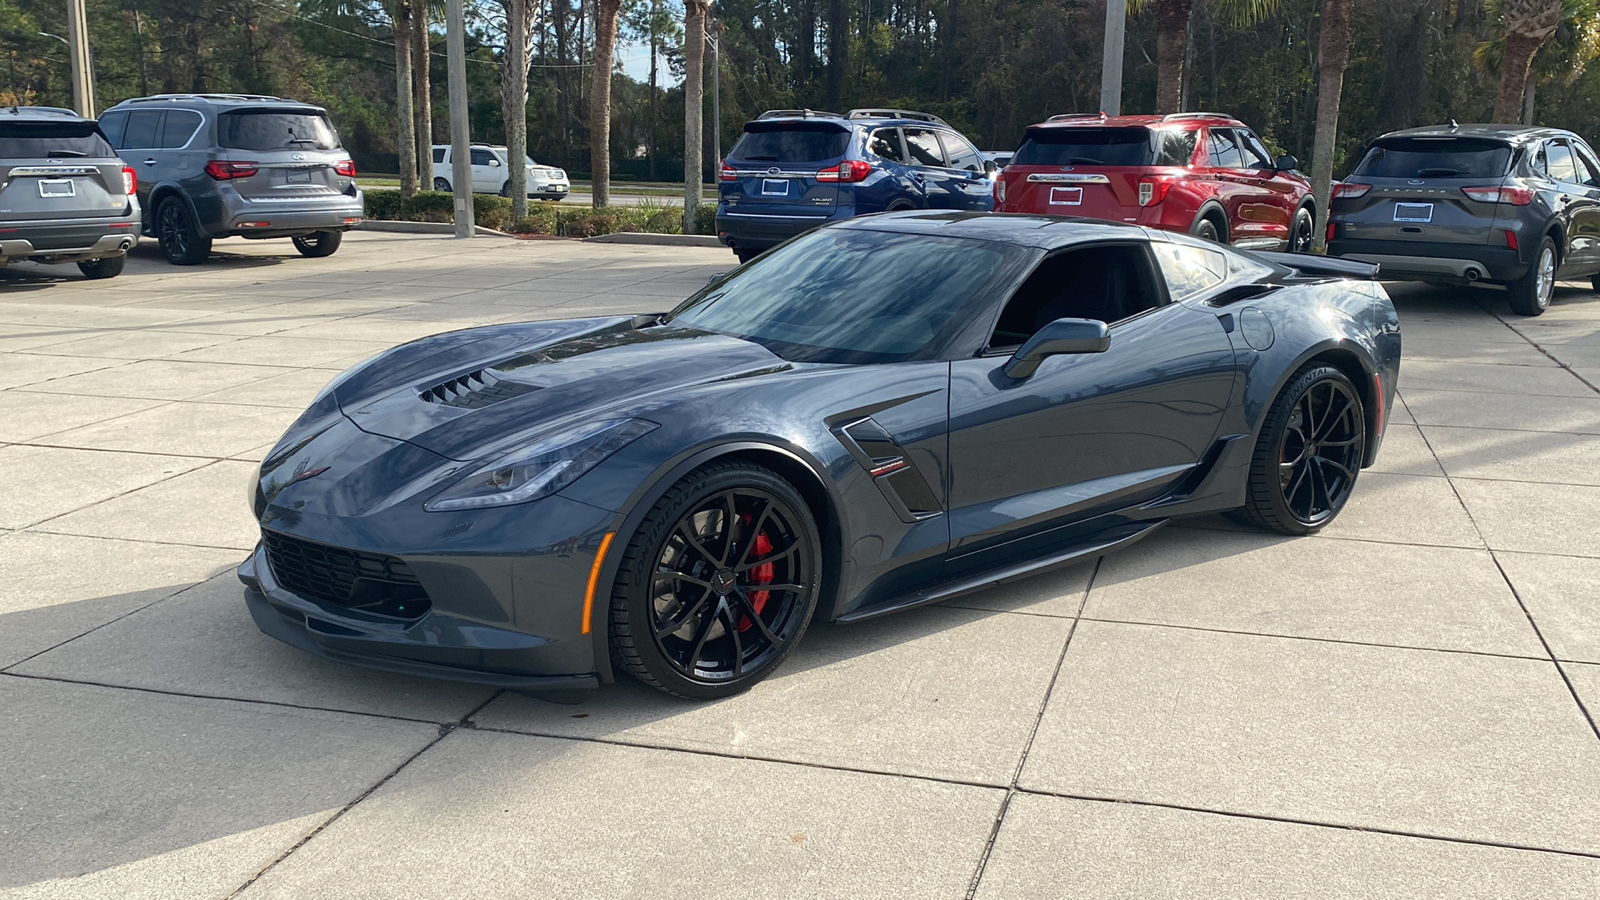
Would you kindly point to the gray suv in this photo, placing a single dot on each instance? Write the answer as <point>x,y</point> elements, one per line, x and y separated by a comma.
<point>224,165</point>
<point>64,194</point>
<point>1461,203</point>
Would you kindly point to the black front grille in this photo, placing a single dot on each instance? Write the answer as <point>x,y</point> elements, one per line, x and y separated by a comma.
<point>369,582</point>
<point>476,390</point>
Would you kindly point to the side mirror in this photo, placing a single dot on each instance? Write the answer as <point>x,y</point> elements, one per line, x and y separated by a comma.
<point>1060,336</point>
<point>1285,163</point>
<point>494,162</point>
<point>989,167</point>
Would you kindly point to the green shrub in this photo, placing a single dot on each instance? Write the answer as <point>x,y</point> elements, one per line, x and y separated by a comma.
<point>383,204</point>
<point>705,221</point>
<point>651,215</point>
<point>490,211</point>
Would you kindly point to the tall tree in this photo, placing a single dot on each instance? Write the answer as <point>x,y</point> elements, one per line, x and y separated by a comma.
<point>694,92</point>
<point>1527,25</point>
<point>1172,38</point>
<point>405,125</point>
<point>838,51</point>
<point>422,88</point>
<point>514,100</point>
<point>1333,56</point>
<point>605,46</point>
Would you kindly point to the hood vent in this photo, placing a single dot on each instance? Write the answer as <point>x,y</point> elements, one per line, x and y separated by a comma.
<point>475,390</point>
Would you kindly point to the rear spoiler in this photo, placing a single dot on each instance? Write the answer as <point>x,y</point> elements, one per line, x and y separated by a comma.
<point>1333,266</point>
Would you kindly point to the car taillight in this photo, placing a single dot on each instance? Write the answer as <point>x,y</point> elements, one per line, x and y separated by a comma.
<point>222,170</point>
<point>1344,191</point>
<point>345,167</point>
<point>1331,229</point>
<point>1511,239</point>
<point>130,181</point>
<point>1512,195</point>
<point>1153,189</point>
<point>729,173</point>
<point>851,170</point>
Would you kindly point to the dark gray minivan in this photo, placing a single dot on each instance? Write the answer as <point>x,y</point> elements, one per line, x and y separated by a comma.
<point>1502,204</point>
<point>223,165</point>
<point>65,197</point>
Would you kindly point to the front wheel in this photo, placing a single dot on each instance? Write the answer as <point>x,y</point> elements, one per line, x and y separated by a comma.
<point>718,584</point>
<point>318,243</point>
<point>1301,234</point>
<point>1531,294</point>
<point>746,255</point>
<point>1309,453</point>
<point>104,267</point>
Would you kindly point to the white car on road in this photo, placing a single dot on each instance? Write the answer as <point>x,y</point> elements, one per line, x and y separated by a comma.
<point>491,173</point>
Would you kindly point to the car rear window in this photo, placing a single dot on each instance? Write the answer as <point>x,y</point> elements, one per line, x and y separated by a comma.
<point>790,142</point>
<point>33,140</point>
<point>275,129</point>
<point>1436,157</point>
<point>1090,147</point>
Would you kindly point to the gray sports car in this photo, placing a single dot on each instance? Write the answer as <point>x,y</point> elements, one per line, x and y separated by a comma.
<point>880,413</point>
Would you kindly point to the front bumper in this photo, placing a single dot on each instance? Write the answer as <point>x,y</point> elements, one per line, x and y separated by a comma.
<point>72,241</point>
<point>1424,261</point>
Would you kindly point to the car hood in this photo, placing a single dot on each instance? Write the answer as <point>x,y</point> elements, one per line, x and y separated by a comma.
<point>495,402</point>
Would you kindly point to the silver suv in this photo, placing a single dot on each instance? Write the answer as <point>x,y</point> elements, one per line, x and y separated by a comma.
<point>64,194</point>
<point>491,173</point>
<point>224,165</point>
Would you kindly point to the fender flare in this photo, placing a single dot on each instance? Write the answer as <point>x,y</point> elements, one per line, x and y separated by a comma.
<point>159,195</point>
<point>1206,209</point>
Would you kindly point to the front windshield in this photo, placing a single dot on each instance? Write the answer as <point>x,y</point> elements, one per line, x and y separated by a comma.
<point>852,295</point>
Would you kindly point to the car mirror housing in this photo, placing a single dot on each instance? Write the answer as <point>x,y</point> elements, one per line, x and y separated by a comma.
<point>1285,163</point>
<point>989,167</point>
<point>1059,337</point>
<point>494,162</point>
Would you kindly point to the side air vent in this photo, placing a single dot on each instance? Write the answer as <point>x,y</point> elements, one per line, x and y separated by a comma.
<point>908,493</point>
<point>475,390</point>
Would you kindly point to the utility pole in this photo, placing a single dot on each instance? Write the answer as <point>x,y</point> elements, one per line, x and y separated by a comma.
<point>460,130</point>
<point>1111,61</point>
<point>82,71</point>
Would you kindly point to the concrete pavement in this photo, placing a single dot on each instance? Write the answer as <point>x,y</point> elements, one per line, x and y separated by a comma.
<point>1402,706</point>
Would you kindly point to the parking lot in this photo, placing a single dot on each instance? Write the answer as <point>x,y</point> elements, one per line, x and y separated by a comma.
<point>1402,706</point>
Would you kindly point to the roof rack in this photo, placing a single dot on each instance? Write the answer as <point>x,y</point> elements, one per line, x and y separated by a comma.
<point>1174,117</point>
<point>894,114</point>
<point>1067,116</point>
<point>52,110</point>
<point>169,97</point>
<point>797,114</point>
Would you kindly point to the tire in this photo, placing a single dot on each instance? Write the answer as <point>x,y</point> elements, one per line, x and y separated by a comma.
<point>1531,294</point>
<point>1205,228</point>
<point>1594,284</point>
<point>1305,493</point>
<point>181,241</point>
<point>318,244</point>
<point>104,267</point>
<point>439,184</point>
<point>900,206</point>
<point>1302,231</point>
<point>746,255</point>
<point>505,189</point>
<point>728,635</point>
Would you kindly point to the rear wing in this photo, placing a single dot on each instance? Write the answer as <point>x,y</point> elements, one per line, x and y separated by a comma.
<point>1326,266</point>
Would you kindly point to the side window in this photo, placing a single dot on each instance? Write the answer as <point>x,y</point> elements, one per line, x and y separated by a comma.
<point>885,143</point>
<point>438,154</point>
<point>144,126</point>
<point>1541,161</point>
<point>1190,270</point>
<point>1177,147</point>
<point>1589,168</point>
<point>481,157</point>
<point>961,154</point>
<point>1107,283</point>
<point>177,128</point>
<point>924,148</point>
<point>1255,155</point>
<point>1560,164</point>
<point>1224,149</point>
<point>113,125</point>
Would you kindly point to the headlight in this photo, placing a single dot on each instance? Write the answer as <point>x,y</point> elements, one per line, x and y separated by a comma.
<point>543,468</point>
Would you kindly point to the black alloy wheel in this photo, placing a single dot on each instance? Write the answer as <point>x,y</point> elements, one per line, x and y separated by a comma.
<point>719,583</point>
<point>180,240</point>
<point>1300,238</point>
<point>1206,230</point>
<point>1309,453</point>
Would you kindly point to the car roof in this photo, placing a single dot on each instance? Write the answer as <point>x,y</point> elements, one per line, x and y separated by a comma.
<point>1513,134</point>
<point>1041,232</point>
<point>222,102</point>
<point>1101,120</point>
<point>39,114</point>
<point>866,116</point>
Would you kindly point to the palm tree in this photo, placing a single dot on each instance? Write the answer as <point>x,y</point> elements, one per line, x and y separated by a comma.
<point>514,100</point>
<point>1172,38</point>
<point>694,91</point>
<point>1562,57</point>
<point>1333,55</point>
<point>422,86</point>
<point>405,123</point>
<point>1527,25</point>
<point>605,43</point>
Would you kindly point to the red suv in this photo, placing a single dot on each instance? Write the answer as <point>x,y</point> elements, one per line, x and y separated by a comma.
<point>1203,173</point>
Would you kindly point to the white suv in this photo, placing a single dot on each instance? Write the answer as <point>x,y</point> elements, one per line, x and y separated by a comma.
<point>492,175</point>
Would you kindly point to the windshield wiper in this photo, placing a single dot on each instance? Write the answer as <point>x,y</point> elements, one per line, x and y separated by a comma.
<point>76,153</point>
<point>302,140</point>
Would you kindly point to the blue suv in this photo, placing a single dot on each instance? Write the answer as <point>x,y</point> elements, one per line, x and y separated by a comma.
<point>795,169</point>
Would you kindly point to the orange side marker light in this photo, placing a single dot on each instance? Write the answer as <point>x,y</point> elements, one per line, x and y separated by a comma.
<point>594,578</point>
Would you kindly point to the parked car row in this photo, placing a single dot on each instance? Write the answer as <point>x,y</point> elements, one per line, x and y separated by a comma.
<point>186,169</point>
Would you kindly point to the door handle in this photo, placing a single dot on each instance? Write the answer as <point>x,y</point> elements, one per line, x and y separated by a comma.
<point>150,162</point>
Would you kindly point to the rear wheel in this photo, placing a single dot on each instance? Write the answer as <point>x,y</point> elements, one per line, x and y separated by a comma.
<point>1530,294</point>
<point>746,255</point>
<point>318,243</point>
<point>718,584</point>
<point>180,238</point>
<point>1207,230</point>
<point>439,184</point>
<point>1301,233</point>
<point>104,267</point>
<point>1309,453</point>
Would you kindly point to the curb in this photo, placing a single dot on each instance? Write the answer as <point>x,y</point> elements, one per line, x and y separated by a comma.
<point>663,240</point>
<point>422,228</point>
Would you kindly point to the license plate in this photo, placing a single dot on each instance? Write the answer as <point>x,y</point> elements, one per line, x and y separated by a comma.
<point>1413,212</point>
<point>1066,196</point>
<point>775,187</point>
<point>57,187</point>
<point>298,176</point>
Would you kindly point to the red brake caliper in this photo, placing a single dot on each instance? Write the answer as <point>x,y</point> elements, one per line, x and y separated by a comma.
<point>761,574</point>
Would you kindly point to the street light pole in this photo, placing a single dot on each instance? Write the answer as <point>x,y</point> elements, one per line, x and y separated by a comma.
<point>1111,59</point>
<point>82,71</point>
<point>460,131</point>
<point>716,96</point>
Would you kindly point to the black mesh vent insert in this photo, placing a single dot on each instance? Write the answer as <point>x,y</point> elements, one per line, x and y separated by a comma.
<point>475,390</point>
<point>368,582</point>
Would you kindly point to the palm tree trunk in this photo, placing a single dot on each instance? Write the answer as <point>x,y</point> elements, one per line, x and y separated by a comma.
<point>838,50</point>
<point>1520,48</point>
<point>514,101</point>
<point>605,45</point>
<point>1172,45</point>
<point>405,138</point>
<point>1333,55</point>
<point>694,91</point>
<point>422,94</point>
